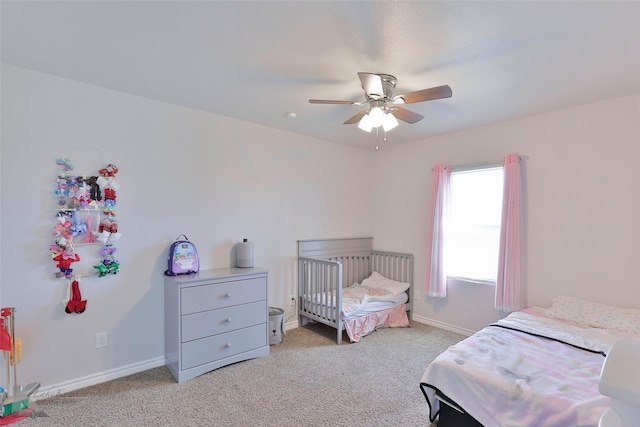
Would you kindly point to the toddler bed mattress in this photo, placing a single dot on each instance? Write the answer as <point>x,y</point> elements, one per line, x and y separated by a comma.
<point>529,369</point>
<point>357,300</point>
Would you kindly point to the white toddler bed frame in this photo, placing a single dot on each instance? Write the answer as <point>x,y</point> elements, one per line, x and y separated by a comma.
<point>325,266</point>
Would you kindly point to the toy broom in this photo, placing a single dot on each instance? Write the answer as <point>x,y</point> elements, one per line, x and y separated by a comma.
<point>18,397</point>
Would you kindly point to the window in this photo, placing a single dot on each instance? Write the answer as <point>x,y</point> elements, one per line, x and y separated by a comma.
<point>473,235</point>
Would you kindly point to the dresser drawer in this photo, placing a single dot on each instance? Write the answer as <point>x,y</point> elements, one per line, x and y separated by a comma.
<point>209,297</point>
<point>216,347</point>
<point>212,322</point>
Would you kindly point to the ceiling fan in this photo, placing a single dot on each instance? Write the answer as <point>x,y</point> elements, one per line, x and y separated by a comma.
<point>383,107</point>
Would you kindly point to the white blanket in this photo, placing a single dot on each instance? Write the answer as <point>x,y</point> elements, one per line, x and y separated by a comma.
<point>357,300</point>
<point>502,376</point>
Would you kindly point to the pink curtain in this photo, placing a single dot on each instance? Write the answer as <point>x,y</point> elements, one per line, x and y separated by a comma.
<point>440,203</point>
<point>509,286</point>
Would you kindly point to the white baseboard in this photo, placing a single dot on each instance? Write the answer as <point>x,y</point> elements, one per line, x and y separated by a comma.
<point>291,324</point>
<point>442,325</point>
<point>78,383</point>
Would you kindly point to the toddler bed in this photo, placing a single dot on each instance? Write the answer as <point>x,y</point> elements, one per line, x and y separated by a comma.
<point>535,367</point>
<point>347,285</point>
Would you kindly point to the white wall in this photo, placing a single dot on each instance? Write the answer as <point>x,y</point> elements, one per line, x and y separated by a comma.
<point>583,180</point>
<point>216,179</point>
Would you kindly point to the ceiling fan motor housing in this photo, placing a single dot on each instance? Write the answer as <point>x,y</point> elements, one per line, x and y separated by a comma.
<point>388,84</point>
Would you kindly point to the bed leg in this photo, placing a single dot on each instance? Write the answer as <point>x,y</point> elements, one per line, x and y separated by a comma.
<point>339,336</point>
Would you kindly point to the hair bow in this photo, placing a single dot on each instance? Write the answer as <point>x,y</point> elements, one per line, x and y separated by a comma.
<point>65,165</point>
<point>108,182</point>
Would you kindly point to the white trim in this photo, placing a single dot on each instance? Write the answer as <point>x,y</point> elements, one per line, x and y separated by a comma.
<point>442,325</point>
<point>482,165</point>
<point>293,324</point>
<point>101,377</point>
<point>474,167</point>
<point>472,280</point>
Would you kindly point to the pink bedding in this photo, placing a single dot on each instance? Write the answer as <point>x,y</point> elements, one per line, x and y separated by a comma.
<point>360,326</point>
<point>512,374</point>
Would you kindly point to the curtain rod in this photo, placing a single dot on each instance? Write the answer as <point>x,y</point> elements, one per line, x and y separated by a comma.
<point>482,165</point>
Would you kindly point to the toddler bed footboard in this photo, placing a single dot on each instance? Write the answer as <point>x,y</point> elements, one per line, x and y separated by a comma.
<point>320,293</point>
<point>326,267</point>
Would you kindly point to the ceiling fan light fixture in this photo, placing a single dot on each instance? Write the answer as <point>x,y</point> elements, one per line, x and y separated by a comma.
<point>365,123</point>
<point>377,116</point>
<point>389,122</point>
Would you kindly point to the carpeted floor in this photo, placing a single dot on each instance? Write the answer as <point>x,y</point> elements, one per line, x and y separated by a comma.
<point>307,380</point>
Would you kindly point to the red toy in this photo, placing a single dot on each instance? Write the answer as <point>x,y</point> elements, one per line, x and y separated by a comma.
<point>76,304</point>
<point>64,262</point>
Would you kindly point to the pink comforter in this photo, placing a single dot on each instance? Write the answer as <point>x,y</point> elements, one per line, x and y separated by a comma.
<point>504,377</point>
<point>360,326</point>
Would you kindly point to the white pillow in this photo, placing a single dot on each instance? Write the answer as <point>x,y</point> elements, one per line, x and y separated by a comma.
<point>378,281</point>
<point>595,314</point>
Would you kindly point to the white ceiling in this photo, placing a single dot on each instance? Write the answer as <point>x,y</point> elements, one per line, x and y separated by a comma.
<point>256,61</point>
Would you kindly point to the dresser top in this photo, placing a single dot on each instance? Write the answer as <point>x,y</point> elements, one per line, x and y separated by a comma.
<point>218,273</point>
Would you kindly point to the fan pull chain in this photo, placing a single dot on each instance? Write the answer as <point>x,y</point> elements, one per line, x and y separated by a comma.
<point>384,138</point>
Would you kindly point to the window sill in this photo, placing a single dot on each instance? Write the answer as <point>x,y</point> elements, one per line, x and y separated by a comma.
<point>474,281</point>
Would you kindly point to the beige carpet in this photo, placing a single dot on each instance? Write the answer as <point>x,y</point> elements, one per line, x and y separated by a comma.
<point>307,380</point>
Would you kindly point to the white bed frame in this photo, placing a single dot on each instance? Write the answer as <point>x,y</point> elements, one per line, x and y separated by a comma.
<point>324,266</point>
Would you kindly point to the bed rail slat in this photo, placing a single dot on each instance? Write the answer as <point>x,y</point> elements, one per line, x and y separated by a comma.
<point>394,265</point>
<point>355,268</point>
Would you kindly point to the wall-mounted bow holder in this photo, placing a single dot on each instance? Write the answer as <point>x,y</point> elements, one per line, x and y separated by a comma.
<point>86,214</point>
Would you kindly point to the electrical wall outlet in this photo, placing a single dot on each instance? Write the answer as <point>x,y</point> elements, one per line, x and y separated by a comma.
<point>101,339</point>
<point>292,300</point>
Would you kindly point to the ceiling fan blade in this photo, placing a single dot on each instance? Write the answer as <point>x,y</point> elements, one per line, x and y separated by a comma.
<point>406,115</point>
<point>430,94</point>
<point>330,101</point>
<point>372,85</point>
<point>355,119</point>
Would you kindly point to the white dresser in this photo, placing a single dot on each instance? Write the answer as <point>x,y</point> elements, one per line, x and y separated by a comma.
<point>214,318</point>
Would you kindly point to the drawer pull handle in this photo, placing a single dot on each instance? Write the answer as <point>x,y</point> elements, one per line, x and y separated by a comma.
<point>228,345</point>
<point>228,320</point>
<point>227,295</point>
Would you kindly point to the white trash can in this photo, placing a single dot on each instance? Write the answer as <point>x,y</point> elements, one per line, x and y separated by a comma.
<point>276,325</point>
